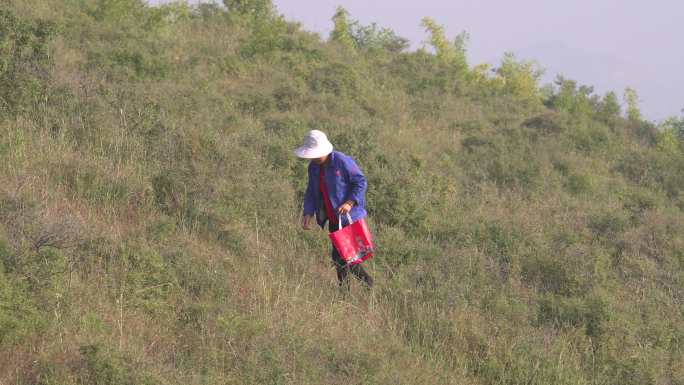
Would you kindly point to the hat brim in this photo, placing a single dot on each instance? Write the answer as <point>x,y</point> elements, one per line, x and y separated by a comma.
<point>312,153</point>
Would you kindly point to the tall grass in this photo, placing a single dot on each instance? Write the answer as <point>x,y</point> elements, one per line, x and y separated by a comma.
<point>150,201</point>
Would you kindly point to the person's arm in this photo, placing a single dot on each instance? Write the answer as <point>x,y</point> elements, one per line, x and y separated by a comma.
<point>309,199</point>
<point>357,181</point>
<point>309,204</point>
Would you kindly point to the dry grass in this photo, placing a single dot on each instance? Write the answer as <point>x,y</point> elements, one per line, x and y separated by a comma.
<point>149,209</point>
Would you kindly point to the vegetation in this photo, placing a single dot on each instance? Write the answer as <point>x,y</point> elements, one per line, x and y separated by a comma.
<point>150,201</point>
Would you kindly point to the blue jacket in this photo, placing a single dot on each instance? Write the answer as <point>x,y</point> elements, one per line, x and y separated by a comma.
<point>344,180</point>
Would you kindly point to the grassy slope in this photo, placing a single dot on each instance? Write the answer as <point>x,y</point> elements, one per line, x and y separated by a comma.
<point>149,204</point>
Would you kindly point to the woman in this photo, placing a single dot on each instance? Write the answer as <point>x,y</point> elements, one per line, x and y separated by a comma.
<point>337,187</point>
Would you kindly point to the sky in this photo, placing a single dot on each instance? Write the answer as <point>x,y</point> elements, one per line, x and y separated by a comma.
<point>608,44</point>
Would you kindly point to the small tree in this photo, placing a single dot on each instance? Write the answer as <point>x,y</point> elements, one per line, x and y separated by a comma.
<point>352,34</point>
<point>610,105</point>
<point>608,108</point>
<point>632,101</point>
<point>675,125</point>
<point>446,51</point>
<point>521,78</point>
<point>341,33</point>
<point>374,38</point>
<point>257,8</point>
<point>571,98</point>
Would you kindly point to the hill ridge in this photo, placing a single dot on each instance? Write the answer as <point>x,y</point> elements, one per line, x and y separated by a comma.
<point>150,201</point>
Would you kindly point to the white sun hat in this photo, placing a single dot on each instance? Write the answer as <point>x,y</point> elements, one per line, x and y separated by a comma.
<point>316,145</point>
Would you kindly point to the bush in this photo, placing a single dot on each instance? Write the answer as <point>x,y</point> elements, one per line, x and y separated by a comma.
<point>148,158</point>
<point>520,79</point>
<point>337,79</point>
<point>568,97</point>
<point>255,104</point>
<point>132,62</point>
<point>591,138</point>
<point>608,225</point>
<point>548,123</point>
<point>266,37</point>
<point>100,367</point>
<point>20,318</point>
<point>256,8</point>
<point>503,245</point>
<point>579,184</point>
<point>635,167</point>
<point>590,313</point>
<point>91,183</point>
<point>550,273</point>
<point>424,76</point>
<point>288,97</point>
<point>24,62</point>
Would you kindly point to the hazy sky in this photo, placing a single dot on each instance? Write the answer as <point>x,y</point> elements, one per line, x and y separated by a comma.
<point>609,44</point>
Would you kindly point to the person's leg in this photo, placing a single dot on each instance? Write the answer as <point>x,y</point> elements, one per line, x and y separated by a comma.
<point>340,265</point>
<point>361,274</point>
<point>342,269</point>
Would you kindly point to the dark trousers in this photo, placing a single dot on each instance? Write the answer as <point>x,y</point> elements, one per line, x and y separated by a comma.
<point>343,269</point>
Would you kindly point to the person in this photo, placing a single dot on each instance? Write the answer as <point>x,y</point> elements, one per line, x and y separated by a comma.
<point>336,187</point>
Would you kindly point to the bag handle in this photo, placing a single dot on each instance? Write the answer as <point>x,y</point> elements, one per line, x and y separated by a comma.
<point>339,221</point>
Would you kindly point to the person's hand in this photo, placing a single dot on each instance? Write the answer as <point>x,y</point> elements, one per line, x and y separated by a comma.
<point>306,221</point>
<point>345,208</point>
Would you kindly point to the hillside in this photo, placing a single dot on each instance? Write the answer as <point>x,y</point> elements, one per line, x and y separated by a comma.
<point>150,201</point>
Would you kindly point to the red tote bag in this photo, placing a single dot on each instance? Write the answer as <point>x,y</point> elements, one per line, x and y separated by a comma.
<point>353,242</point>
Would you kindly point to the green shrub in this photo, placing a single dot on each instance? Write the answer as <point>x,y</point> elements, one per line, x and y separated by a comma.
<point>638,202</point>
<point>266,37</point>
<point>550,274</point>
<point>102,367</point>
<point>571,98</point>
<point>149,208</point>
<point>636,167</point>
<point>394,205</point>
<point>562,166</point>
<point>520,79</point>
<point>450,53</point>
<point>143,267</point>
<point>579,184</point>
<point>20,318</point>
<point>90,183</point>
<point>175,197</point>
<point>503,244</point>
<point>472,142</point>
<point>424,76</point>
<point>24,62</point>
<point>197,280</point>
<point>162,229</point>
<point>548,123</point>
<point>608,225</point>
<point>117,10</point>
<point>337,79</point>
<point>526,363</point>
<point>288,97</point>
<point>255,104</point>
<point>591,138</point>
<point>131,62</point>
<point>591,313</point>
<point>520,173</point>
<point>232,65</point>
<point>398,249</point>
<point>341,32</point>
<point>256,8</point>
<point>376,39</point>
<point>608,109</point>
